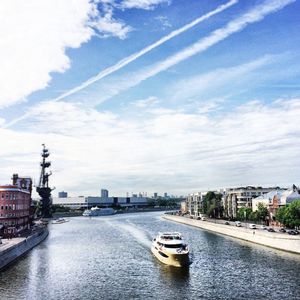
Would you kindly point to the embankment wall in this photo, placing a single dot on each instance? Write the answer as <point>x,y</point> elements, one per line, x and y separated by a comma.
<point>281,241</point>
<point>16,250</point>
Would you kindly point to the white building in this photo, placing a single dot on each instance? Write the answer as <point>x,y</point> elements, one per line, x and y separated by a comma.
<point>280,196</point>
<point>236,198</point>
<point>90,201</point>
<point>194,203</point>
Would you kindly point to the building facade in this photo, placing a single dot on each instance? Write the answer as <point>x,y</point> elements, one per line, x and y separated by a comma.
<point>276,199</point>
<point>104,193</point>
<point>62,194</point>
<point>15,205</point>
<point>194,203</point>
<point>90,201</point>
<point>236,198</point>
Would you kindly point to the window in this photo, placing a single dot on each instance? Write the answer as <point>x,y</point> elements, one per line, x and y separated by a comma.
<point>173,246</point>
<point>162,254</point>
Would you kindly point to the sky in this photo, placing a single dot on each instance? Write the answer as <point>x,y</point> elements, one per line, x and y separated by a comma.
<point>151,96</point>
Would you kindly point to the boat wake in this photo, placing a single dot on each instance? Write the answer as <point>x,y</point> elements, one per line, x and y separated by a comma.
<point>138,234</point>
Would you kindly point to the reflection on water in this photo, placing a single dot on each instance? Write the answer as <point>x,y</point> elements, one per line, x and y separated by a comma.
<point>176,275</point>
<point>110,258</point>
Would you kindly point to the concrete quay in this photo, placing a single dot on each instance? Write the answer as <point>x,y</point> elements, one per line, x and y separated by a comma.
<point>280,241</point>
<point>10,250</point>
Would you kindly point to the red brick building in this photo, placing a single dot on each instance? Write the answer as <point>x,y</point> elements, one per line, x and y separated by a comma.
<point>15,203</point>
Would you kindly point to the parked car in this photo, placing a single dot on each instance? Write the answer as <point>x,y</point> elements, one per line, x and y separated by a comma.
<point>264,227</point>
<point>252,226</point>
<point>296,231</point>
<point>227,223</point>
<point>191,217</point>
<point>238,224</point>
<point>282,230</point>
<point>198,218</point>
<point>292,232</point>
<point>203,219</point>
<point>271,230</point>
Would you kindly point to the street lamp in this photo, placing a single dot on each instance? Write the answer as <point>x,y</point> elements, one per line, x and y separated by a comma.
<point>245,217</point>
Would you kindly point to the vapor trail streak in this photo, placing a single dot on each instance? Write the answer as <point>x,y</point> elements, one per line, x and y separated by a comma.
<point>122,63</point>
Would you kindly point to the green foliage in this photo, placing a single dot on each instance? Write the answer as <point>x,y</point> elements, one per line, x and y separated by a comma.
<point>289,215</point>
<point>245,213</point>
<point>212,205</point>
<point>151,202</point>
<point>262,212</point>
<point>55,208</point>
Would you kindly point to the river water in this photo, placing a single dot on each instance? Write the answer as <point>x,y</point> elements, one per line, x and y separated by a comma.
<point>110,258</point>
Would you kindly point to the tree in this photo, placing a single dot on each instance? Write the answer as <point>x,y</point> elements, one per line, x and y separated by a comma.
<point>280,214</point>
<point>151,202</point>
<point>244,213</point>
<point>262,212</point>
<point>212,204</point>
<point>289,215</point>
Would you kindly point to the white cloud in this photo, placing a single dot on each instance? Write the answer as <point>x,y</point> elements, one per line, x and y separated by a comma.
<point>122,63</point>
<point>255,143</point>
<point>200,86</point>
<point>254,15</point>
<point>164,22</point>
<point>35,36</point>
<point>145,103</point>
<point>108,26</point>
<point>143,4</point>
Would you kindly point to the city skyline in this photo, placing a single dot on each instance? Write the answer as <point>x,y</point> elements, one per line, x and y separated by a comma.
<point>151,95</point>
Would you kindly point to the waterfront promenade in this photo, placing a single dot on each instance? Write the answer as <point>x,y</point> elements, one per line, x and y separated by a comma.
<point>12,249</point>
<point>277,240</point>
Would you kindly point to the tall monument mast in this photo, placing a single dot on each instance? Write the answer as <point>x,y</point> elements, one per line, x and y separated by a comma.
<point>43,188</point>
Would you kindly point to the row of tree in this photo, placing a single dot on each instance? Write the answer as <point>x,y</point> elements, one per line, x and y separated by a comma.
<point>246,213</point>
<point>289,215</point>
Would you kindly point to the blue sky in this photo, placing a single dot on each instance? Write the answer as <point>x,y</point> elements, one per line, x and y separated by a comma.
<point>209,106</point>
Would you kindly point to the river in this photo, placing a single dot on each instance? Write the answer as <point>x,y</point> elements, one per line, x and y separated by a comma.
<point>110,258</point>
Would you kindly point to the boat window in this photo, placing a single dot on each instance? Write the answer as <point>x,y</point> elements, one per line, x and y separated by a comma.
<point>162,254</point>
<point>173,246</point>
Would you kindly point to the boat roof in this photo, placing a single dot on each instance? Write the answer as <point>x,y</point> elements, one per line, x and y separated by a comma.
<point>170,233</point>
<point>170,236</point>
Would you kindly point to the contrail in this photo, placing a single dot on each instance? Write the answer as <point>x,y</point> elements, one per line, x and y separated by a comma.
<point>254,15</point>
<point>122,63</point>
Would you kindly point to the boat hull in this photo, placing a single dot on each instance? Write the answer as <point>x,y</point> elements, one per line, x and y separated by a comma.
<point>171,259</point>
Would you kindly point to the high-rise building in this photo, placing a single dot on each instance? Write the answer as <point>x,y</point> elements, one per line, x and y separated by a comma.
<point>104,193</point>
<point>155,195</point>
<point>62,194</point>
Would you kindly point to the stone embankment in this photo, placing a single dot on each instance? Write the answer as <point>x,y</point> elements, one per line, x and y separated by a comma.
<point>277,240</point>
<point>10,250</point>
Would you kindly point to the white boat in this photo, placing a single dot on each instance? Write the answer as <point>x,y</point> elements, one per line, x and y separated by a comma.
<point>170,249</point>
<point>96,211</point>
<point>60,221</point>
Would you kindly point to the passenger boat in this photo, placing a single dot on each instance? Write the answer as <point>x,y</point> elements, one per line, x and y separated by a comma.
<point>170,249</point>
<point>96,211</point>
<point>60,221</point>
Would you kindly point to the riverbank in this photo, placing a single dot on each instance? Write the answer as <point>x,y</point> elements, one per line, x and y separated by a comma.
<point>280,241</point>
<point>11,250</point>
